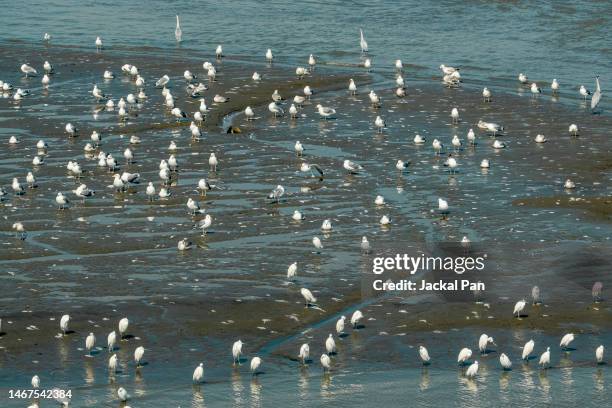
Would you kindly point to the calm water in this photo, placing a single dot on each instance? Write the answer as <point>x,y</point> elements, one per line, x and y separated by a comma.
<point>497,39</point>
<point>116,254</point>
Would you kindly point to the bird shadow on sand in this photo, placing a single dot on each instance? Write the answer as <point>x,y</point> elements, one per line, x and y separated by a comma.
<point>568,349</point>
<point>488,351</point>
<point>522,316</point>
<point>359,327</point>
<point>343,335</point>
<point>127,337</point>
<point>241,360</point>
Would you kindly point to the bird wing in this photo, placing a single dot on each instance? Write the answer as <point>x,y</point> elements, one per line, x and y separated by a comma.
<point>595,99</point>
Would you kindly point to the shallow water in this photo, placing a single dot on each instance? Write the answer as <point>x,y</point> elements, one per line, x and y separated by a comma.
<point>116,254</point>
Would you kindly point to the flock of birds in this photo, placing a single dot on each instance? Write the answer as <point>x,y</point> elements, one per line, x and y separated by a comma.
<point>167,168</point>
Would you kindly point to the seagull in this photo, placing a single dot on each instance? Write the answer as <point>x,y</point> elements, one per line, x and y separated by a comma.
<point>220,99</point>
<point>355,318</point>
<point>367,64</point>
<point>519,307</point>
<point>330,345</point>
<point>566,340</point>
<point>455,115</point>
<point>47,67</point>
<point>545,358</point>
<point>308,91</point>
<point>402,165</point>
<point>311,61</point>
<point>399,81</point>
<point>112,363</point>
<point>486,94</point>
<point>299,100</point>
<point>20,229</point>
<point>299,149</point>
<point>471,136</point>
<point>293,111</point>
<point>456,142</point>
<point>448,70</point>
<point>326,226</point>
<point>400,92</point>
<point>17,188</point>
<point>527,349</point>
<point>122,394</point>
<point>163,81</point>
<point>569,184</point>
<point>150,191</point>
<point>275,109</point>
<point>184,245</point>
<point>365,244</point>
<point>424,354</point>
<point>554,86</point>
<point>193,206</point>
<point>379,200</point>
<point>304,353</point>
<point>443,207</point>
<point>30,180</point>
<point>599,354</point>
<point>490,127</point>
<point>374,99</point>
<point>256,77</point>
<point>362,42</point>
<point>498,145</point>
<point>61,201</point>
<point>596,95</point>
<point>138,353</point>
<point>198,373</point>
<point>219,51</point>
<point>83,192</point>
<point>398,65</point>
<point>484,164</point>
<point>45,80</point>
<point>308,297</point>
<point>523,78</point>
<point>451,163</point>
<point>28,70</point>
<point>237,351</point>
<point>64,321</point>
<point>277,193</point>
<point>189,76</point>
<point>418,139</point>
<point>47,37</point>
<point>352,87</point>
<point>352,167</point>
<point>98,43</point>
<point>300,72</point>
<point>464,355</point>
<point>90,341</point>
<point>472,370</point>
<point>380,124</point>
<point>71,130</point>
<point>573,129</point>
<point>540,139</point>
<point>297,216</point>
<point>340,325</point>
<point>203,187</point>
<point>111,339</point>
<point>178,33</point>
<point>178,114</point>
<point>248,112</point>
<point>213,162</point>
<point>535,90</point>
<point>325,112</point>
<point>325,362</point>
<point>584,92</point>
<point>306,167</point>
<point>483,342</point>
<point>437,146</point>
<point>269,55</point>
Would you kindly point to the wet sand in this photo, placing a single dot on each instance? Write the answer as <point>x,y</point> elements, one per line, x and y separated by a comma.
<point>116,256</point>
